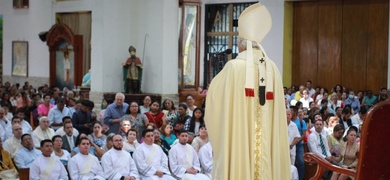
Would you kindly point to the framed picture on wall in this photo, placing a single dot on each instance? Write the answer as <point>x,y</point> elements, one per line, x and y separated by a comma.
<point>20,58</point>
<point>20,4</point>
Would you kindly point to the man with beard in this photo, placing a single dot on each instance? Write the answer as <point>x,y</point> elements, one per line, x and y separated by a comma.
<point>118,164</point>
<point>132,73</point>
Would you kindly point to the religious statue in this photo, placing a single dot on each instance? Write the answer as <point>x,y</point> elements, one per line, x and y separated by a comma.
<point>87,80</point>
<point>245,114</point>
<point>132,73</point>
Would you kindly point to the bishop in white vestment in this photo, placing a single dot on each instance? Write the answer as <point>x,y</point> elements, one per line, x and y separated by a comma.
<point>184,160</point>
<point>118,163</point>
<point>152,163</point>
<point>85,166</point>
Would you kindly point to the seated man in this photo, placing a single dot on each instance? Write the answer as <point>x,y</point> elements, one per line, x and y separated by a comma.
<point>12,145</point>
<point>117,163</point>
<point>43,131</point>
<point>206,159</point>
<point>68,139</point>
<point>151,161</point>
<point>184,161</point>
<point>317,142</point>
<point>17,120</point>
<point>84,165</point>
<point>27,154</point>
<point>60,131</point>
<point>47,166</point>
<point>57,113</point>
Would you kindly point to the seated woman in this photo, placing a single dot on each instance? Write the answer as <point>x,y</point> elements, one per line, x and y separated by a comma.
<point>196,121</point>
<point>7,166</point>
<point>137,120</point>
<point>167,134</point>
<point>146,104</point>
<point>334,140</point>
<point>170,112</point>
<point>94,150</point>
<point>348,151</point>
<point>131,144</point>
<point>62,154</point>
<point>162,143</point>
<point>97,136</point>
<point>202,139</point>
<point>155,115</point>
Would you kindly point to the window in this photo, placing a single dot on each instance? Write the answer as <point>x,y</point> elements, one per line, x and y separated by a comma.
<point>221,33</point>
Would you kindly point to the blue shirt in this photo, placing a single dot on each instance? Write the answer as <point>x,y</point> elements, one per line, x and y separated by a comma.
<point>55,115</point>
<point>114,112</point>
<point>24,158</point>
<point>301,128</point>
<point>355,104</point>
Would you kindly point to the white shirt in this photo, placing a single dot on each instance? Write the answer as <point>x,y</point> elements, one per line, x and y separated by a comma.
<point>356,121</point>
<point>26,128</point>
<point>149,159</point>
<point>206,157</point>
<point>12,145</point>
<point>118,163</point>
<point>292,134</point>
<point>305,102</point>
<point>314,144</point>
<point>77,163</point>
<point>178,156</point>
<point>64,158</point>
<point>40,164</point>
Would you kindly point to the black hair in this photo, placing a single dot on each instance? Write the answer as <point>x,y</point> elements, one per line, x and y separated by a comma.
<point>45,141</point>
<point>146,131</point>
<point>55,136</point>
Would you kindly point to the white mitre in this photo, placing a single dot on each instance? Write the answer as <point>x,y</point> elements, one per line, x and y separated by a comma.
<point>254,24</point>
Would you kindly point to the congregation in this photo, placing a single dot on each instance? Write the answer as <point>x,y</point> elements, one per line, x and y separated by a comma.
<point>58,135</point>
<point>328,123</point>
<point>160,141</point>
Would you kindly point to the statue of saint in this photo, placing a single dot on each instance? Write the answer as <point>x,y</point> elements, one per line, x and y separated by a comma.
<point>132,73</point>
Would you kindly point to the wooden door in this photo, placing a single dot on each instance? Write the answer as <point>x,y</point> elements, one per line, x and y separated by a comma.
<point>341,42</point>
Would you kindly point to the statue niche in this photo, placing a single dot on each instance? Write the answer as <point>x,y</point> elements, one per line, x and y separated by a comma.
<point>66,57</point>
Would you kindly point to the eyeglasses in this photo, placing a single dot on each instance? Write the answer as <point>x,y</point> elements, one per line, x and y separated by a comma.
<point>117,140</point>
<point>125,124</point>
<point>27,140</point>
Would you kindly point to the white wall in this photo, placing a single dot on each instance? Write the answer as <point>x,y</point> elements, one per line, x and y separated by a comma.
<point>25,25</point>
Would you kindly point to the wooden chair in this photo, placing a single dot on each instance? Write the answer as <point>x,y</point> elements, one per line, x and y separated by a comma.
<point>24,173</point>
<point>374,156</point>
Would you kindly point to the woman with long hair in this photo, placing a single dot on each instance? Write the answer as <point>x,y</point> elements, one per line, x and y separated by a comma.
<point>137,120</point>
<point>162,143</point>
<point>62,154</point>
<point>334,140</point>
<point>196,121</point>
<point>169,109</point>
<point>155,115</point>
<point>97,135</point>
<point>167,134</point>
<point>146,104</point>
<point>348,153</point>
